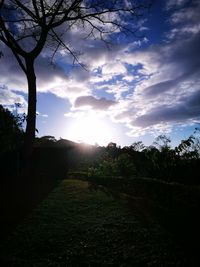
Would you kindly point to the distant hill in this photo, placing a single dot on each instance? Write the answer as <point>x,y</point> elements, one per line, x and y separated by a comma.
<point>66,143</point>
<point>50,142</point>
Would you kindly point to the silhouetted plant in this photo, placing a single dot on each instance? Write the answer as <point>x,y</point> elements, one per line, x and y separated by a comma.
<point>162,142</point>
<point>46,140</point>
<point>137,146</point>
<point>11,131</point>
<point>122,166</point>
<point>190,148</point>
<point>158,161</point>
<point>11,140</point>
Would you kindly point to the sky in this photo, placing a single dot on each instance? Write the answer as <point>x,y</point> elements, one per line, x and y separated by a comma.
<point>138,88</point>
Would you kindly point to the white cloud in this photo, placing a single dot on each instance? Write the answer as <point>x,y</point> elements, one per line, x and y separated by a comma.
<point>9,98</point>
<point>128,78</point>
<point>114,68</point>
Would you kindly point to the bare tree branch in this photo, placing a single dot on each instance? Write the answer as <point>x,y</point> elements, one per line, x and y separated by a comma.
<point>61,43</point>
<point>27,10</point>
<point>43,11</point>
<point>36,9</point>
<point>9,39</point>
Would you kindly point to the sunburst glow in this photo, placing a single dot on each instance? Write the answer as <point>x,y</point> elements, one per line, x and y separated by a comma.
<point>91,129</point>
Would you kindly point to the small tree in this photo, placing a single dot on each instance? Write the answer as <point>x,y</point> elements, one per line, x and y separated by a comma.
<point>27,26</point>
<point>162,142</point>
<point>190,148</point>
<point>137,146</point>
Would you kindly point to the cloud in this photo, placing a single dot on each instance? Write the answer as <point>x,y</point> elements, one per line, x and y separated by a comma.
<point>175,3</point>
<point>10,74</point>
<point>9,98</point>
<point>190,110</point>
<point>93,102</point>
<point>185,20</point>
<point>167,91</point>
<point>62,79</point>
<point>115,68</point>
<point>159,88</point>
<point>128,78</point>
<point>50,78</point>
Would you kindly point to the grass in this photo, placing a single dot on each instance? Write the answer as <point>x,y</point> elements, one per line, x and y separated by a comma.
<point>78,225</point>
<point>173,206</point>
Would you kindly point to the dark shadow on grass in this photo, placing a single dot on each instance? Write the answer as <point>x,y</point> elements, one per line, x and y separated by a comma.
<point>20,193</point>
<point>174,207</point>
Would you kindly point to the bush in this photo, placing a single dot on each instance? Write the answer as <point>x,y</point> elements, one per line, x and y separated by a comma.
<point>121,166</point>
<point>11,141</point>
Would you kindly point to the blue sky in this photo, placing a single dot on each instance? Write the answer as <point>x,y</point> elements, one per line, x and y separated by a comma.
<point>136,90</point>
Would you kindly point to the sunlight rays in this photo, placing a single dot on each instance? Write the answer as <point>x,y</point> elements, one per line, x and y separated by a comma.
<point>90,129</point>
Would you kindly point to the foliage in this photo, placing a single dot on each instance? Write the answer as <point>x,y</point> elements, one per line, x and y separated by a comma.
<point>11,140</point>
<point>46,140</point>
<point>137,146</point>
<point>180,164</point>
<point>113,163</point>
<point>190,148</point>
<point>11,132</point>
<point>162,142</point>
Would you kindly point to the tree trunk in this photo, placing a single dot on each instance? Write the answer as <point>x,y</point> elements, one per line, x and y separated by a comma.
<point>31,115</point>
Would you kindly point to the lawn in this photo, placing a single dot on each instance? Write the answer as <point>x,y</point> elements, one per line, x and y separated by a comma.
<point>78,225</point>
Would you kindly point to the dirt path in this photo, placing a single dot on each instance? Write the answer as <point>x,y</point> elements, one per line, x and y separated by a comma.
<point>79,226</point>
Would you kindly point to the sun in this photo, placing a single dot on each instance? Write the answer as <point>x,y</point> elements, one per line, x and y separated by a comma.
<point>91,129</point>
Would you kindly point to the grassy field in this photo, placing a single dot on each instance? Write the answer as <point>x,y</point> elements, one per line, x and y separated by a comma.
<point>79,225</point>
<point>173,206</point>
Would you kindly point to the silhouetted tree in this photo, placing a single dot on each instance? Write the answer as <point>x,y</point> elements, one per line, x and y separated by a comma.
<point>11,132</point>
<point>26,27</point>
<point>137,146</point>
<point>162,142</point>
<point>190,148</point>
<point>11,141</point>
<point>47,140</point>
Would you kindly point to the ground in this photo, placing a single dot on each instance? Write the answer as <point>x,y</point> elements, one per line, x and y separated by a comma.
<point>83,225</point>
